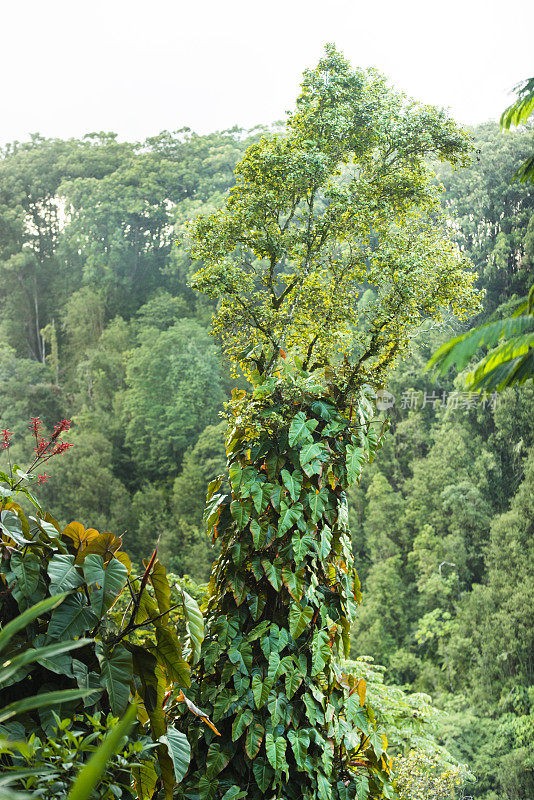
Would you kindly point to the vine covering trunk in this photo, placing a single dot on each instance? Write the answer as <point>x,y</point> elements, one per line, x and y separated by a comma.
<point>282,597</point>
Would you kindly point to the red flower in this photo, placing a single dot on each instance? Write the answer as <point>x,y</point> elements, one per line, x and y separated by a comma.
<point>6,436</point>
<point>42,445</point>
<point>59,427</point>
<point>43,478</point>
<point>61,447</point>
<point>35,426</point>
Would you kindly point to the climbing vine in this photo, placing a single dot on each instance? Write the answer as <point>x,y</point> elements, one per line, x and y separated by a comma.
<point>282,598</point>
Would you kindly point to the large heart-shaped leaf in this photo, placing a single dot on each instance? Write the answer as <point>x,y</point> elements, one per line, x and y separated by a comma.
<point>71,619</point>
<point>263,773</point>
<point>299,619</point>
<point>261,689</point>
<point>292,482</point>
<point>217,758</point>
<point>253,739</point>
<point>241,722</point>
<point>63,574</point>
<point>273,572</point>
<point>110,581</point>
<point>179,751</point>
<point>168,651</point>
<point>275,747</point>
<point>26,570</point>
<point>355,458</point>
<point>116,674</point>
<point>289,516</point>
<point>298,430</point>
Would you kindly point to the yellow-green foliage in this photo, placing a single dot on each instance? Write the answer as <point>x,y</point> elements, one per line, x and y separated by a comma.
<point>422,776</point>
<point>339,203</point>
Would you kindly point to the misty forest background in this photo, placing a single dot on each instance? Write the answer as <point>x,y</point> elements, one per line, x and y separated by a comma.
<point>98,324</point>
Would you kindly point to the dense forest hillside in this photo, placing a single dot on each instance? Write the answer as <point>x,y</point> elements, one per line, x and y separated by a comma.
<point>98,324</point>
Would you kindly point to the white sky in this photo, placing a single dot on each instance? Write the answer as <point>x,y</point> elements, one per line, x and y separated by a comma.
<point>68,67</point>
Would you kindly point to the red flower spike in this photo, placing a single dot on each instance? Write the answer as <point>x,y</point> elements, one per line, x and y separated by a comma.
<point>35,426</point>
<point>42,445</point>
<point>61,447</point>
<point>6,436</point>
<point>59,427</point>
<point>43,478</point>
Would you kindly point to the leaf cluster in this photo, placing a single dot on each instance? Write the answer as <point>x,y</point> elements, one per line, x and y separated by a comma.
<point>78,625</point>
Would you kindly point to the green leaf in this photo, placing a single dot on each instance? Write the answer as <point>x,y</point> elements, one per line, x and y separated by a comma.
<point>460,350</point>
<point>39,654</point>
<point>310,452</point>
<point>325,545</point>
<point>239,513</point>
<point>325,410</point>
<point>355,458</point>
<point>323,786</point>
<point>234,793</point>
<point>207,787</point>
<point>26,569</point>
<point>261,689</point>
<point>292,482</point>
<point>376,738</point>
<point>194,625</point>
<point>362,787</point>
<point>317,502</point>
<point>217,759</point>
<point>277,706</point>
<point>298,430</point>
<point>162,590</point>
<point>259,533</point>
<point>179,751</point>
<point>276,497</point>
<point>145,779</point>
<point>241,722</point>
<point>300,743</point>
<point>115,676</point>
<point>242,657</point>
<point>256,493</point>
<point>235,472</point>
<point>299,619</point>
<point>92,772</point>
<point>273,572</point>
<point>168,651</point>
<point>302,546</point>
<point>63,574</point>
<point>289,516</point>
<point>263,774</point>
<point>254,739</point>
<point>71,619</point>
<point>259,630</point>
<point>321,651</point>
<point>275,747</point>
<point>110,581</point>
<point>293,681</point>
<point>12,527</point>
<point>214,486</point>
<point>256,604</point>
<point>294,582</point>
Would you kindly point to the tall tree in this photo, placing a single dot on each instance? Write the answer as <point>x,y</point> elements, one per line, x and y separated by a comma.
<point>340,202</point>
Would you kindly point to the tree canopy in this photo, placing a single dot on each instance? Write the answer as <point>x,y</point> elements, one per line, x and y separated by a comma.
<point>340,203</point>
